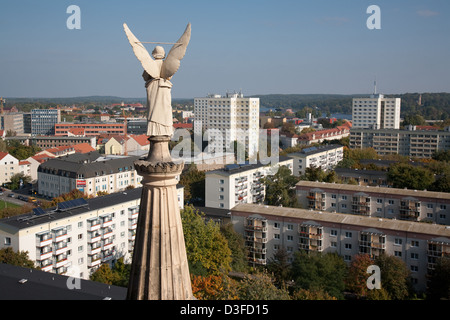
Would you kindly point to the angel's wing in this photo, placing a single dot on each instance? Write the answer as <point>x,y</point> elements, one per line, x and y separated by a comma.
<point>142,54</point>
<point>172,62</point>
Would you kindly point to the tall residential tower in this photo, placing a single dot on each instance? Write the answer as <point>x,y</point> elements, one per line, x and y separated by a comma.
<point>228,118</point>
<point>376,112</point>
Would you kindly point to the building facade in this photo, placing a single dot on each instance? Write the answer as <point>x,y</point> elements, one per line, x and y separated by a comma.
<point>83,238</point>
<point>9,166</point>
<point>90,129</point>
<point>376,112</point>
<point>408,142</point>
<point>380,202</point>
<point>228,118</point>
<point>43,121</point>
<point>90,173</point>
<point>326,157</point>
<point>12,121</point>
<point>235,184</point>
<point>267,229</point>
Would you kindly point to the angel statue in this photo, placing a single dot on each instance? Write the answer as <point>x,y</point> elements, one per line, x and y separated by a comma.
<point>157,75</point>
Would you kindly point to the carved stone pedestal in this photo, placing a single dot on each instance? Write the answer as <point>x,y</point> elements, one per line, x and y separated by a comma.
<point>159,269</point>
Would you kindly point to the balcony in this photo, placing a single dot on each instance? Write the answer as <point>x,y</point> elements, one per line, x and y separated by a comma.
<point>45,253</point>
<point>93,225</point>
<point>94,237</point>
<point>60,235</point>
<point>108,232</point>
<point>61,261</point>
<point>44,239</point>
<point>94,261</point>
<point>61,248</point>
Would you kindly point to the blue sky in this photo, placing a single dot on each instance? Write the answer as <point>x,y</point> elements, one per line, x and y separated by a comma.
<point>261,47</point>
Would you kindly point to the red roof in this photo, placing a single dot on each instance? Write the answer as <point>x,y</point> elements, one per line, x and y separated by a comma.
<point>141,139</point>
<point>3,154</point>
<point>183,125</point>
<point>83,148</point>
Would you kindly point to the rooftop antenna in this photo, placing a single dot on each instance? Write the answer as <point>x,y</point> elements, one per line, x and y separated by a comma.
<point>375,86</point>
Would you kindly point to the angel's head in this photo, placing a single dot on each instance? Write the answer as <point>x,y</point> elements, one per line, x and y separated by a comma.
<point>158,52</point>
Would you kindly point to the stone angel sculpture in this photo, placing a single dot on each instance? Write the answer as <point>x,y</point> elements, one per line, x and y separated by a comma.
<point>157,75</point>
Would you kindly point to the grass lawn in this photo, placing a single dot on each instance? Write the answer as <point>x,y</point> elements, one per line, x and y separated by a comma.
<point>8,205</point>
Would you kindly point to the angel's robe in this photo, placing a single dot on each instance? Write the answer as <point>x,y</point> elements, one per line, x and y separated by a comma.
<point>159,105</point>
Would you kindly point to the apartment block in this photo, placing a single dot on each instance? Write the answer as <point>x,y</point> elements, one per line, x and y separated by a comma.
<point>326,157</point>
<point>376,112</point>
<point>381,202</point>
<point>89,173</point>
<point>235,183</point>
<point>82,236</point>
<point>228,118</point>
<point>267,229</point>
<point>410,141</point>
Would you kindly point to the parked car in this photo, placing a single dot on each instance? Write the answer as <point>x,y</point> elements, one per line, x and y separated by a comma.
<point>11,195</point>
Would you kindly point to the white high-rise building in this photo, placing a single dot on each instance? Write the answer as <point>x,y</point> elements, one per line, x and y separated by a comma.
<point>376,112</point>
<point>227,119</point>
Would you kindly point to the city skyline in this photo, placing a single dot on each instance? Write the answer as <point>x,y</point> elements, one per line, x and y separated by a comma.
<point>262,47</point>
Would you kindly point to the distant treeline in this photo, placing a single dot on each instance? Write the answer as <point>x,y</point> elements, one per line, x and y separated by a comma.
<point>434,106</point>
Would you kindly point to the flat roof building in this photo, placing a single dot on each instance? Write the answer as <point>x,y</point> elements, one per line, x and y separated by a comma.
<point>267,229</point>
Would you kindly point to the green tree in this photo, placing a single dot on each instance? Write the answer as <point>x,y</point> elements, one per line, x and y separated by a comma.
<point>16,180</point>
<point>237,247</point>
<point>395,276</point>
<point>118,275</point>
<point>20,151</point>
<point>280,188</point>
<point>439,287</point>
<point>104,274</point>
<point>404,175</point>
<point>356,280</point>
<point>280,267</point>
<point>20,258</point>
<point>193,181</point>
<point>260,287</point>
<point>207,249</point>
<point>317,271</point>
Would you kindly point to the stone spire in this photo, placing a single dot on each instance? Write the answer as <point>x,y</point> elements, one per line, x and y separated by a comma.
<point>159,270</point>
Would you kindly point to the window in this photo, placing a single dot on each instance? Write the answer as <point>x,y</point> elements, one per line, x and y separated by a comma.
<point>7,241</point>
<point>391,201</point>
<point>290,238</point>
<point>414,243</point>
<point>414,256</point>
<point>333,232</point>
<point>379,200</point>
<point>276,225</point>
<point>290,227</point>
<point>443,207</point>
<point>348,246</point>
<point>348,234</point>
<point>276,236</point>
<point>221,181</point>
<point>344,197</point>
<point>398,241</point>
